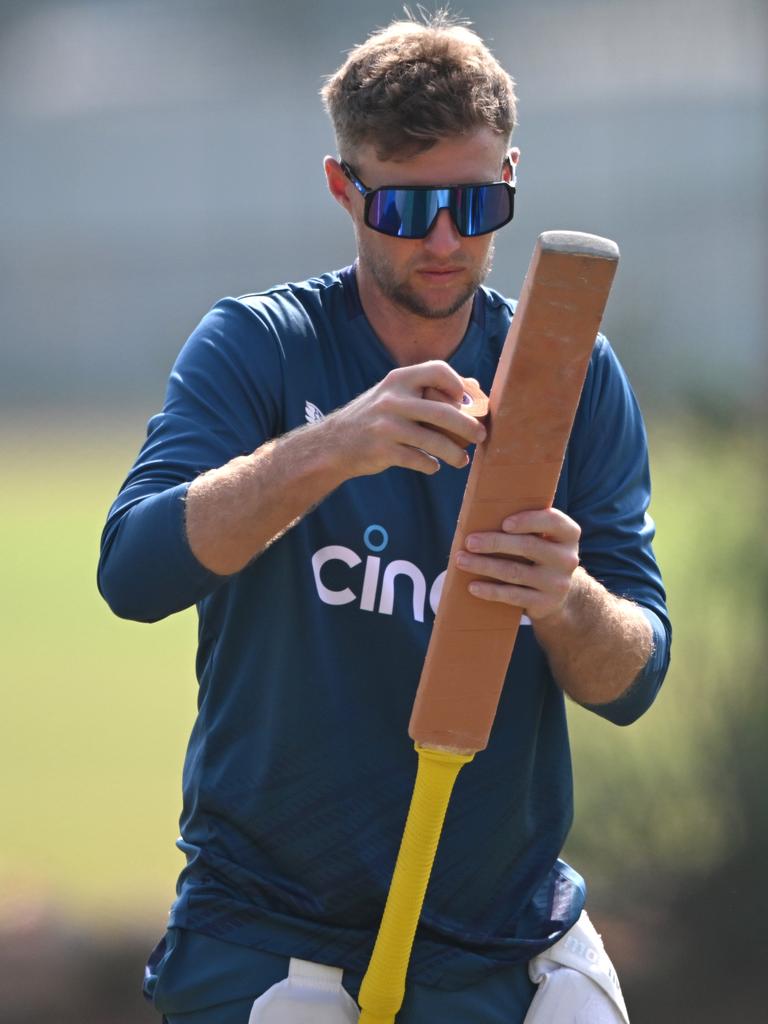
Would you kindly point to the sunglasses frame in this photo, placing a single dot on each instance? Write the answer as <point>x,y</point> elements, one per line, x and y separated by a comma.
<point>369,193</point>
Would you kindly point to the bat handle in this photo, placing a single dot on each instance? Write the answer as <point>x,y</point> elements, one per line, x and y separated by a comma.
<point>383,988</point>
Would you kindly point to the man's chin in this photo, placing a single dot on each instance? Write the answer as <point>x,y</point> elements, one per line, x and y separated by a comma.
<point>431,309</point>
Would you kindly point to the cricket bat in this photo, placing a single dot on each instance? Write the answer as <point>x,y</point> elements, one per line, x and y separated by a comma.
<point>532,406</point>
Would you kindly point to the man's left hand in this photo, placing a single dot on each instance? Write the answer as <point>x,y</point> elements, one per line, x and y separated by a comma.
<point>530,563</point>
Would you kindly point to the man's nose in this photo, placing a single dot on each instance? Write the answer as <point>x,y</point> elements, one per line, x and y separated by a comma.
<point>443,238</point>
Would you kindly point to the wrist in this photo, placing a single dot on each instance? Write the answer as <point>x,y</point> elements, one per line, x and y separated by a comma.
<point>337,449</point>
<point>318,458</point>
<point>569,614</point>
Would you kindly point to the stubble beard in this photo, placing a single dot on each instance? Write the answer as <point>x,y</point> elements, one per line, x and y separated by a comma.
<point>400,292</point>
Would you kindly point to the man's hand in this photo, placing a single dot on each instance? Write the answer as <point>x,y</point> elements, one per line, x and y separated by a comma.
<point>530,563</point>
<point>392,424</point>
<point>234,512</point>
<point>596,643</point>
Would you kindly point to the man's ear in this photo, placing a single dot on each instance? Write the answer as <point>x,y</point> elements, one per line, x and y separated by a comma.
<point>511,161</point>
<point>338,183</point>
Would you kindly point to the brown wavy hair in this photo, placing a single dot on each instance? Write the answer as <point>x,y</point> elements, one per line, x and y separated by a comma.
<point>413,83</point>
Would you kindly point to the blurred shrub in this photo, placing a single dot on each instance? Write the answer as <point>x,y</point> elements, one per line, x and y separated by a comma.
<point>680,793</point>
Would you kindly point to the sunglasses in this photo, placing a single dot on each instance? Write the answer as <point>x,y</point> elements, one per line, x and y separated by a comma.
<point>410,211</point>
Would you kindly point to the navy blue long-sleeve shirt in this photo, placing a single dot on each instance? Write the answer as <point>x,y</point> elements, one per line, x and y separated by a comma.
<point>299,768</point>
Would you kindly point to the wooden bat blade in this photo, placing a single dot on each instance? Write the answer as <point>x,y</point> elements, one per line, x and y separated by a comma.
<point>533,403</point>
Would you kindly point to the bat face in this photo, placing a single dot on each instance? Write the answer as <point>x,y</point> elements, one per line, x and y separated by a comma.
<point>532,406</point>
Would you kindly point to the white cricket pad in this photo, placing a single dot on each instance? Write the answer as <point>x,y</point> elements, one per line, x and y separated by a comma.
<point>577,981</point>
<point>311,994</point>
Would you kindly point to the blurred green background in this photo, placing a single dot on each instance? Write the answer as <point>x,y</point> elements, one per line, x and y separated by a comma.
<point>157,156</point>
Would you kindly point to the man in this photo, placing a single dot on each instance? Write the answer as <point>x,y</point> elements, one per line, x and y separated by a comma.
<point>299,487</point>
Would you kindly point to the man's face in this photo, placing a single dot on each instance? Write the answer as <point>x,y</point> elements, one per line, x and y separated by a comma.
<point>431,277</point>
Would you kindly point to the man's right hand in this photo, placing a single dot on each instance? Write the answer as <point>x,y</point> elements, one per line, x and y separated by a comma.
<point>392,424</point>
<point>234,512</point>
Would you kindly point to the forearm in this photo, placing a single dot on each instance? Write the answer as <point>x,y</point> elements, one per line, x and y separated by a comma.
<point>168,543</point>
<point>597,644</point>
<point>236,511</point>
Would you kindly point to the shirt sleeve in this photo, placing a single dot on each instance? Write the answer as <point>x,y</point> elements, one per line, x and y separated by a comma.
<point>224,399</point>
<point>609,493</point>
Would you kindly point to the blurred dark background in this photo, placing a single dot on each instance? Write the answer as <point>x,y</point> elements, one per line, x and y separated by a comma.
<point>159,155</point>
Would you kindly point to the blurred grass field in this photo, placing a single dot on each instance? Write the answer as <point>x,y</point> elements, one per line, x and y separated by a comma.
<point>96,711</point>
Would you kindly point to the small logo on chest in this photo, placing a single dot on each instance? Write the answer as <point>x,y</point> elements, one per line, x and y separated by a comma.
<point>312,414</point>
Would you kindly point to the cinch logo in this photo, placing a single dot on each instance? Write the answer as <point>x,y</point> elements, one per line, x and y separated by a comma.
<point>377,593</point>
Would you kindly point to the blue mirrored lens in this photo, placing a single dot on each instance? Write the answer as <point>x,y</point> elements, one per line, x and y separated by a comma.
<point>410,213</point>
<point>406,213</point>
<point>481,209</point>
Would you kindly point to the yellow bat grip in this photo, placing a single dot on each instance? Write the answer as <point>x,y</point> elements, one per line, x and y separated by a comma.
<point>383,988</point>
